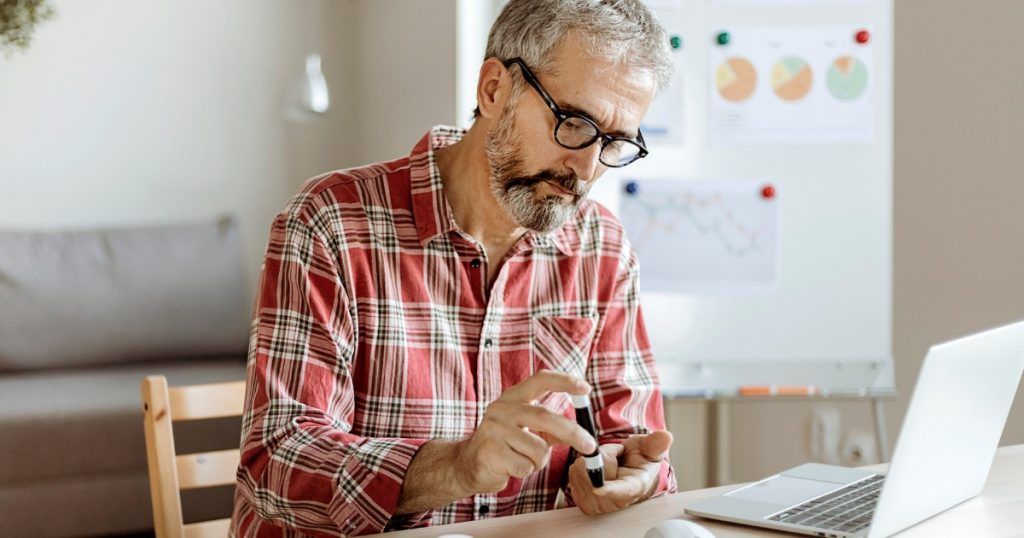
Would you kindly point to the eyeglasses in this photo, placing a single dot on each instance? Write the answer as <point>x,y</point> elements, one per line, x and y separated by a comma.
<point>576,131</point>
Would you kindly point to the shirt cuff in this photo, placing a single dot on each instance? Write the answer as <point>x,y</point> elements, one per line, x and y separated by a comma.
<point>666,480</point>
<point>370,484</point>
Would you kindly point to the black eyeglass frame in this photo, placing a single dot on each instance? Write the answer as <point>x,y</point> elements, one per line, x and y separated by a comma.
<point>561,115</point>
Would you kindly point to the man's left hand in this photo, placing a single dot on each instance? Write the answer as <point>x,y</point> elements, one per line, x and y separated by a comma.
<point>631,472</point>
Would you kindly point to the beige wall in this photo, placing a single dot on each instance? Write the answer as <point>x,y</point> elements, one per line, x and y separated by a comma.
<point>959,211</point>
<point>127,111</point>
<point>959,194</point>
<point>146,111</point>
<point>405,73</point>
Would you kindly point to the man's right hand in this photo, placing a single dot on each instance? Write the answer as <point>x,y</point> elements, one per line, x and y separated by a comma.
<point>516,435</point>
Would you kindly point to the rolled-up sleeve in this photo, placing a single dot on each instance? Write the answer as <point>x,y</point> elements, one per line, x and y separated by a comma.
<point>301,467</point>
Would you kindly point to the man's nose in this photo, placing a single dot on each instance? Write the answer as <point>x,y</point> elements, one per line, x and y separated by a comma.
<point>585,163</point>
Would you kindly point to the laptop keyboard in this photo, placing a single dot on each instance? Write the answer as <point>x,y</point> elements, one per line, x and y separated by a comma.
<point>847,509</point>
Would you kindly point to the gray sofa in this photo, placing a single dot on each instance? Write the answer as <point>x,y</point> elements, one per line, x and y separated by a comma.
<point>84,316</point>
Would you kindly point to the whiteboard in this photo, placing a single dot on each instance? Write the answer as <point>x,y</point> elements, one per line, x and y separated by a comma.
<point>828,322</point>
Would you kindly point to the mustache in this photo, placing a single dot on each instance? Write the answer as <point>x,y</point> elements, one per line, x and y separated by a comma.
<point>568,182</point>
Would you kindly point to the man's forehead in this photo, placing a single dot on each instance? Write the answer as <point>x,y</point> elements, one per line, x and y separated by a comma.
<point>597,87</point>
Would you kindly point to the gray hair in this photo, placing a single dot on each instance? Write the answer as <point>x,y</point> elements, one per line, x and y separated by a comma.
<point>613,30</point>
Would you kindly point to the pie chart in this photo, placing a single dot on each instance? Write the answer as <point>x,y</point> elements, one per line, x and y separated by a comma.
<point>847,78</point>
<point>736,79</point>
<point>791,78</point>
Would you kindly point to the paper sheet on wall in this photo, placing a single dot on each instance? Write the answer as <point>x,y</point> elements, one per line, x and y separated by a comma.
<point>664,122</point>
<point>791,85</point>
<point>716,236</point>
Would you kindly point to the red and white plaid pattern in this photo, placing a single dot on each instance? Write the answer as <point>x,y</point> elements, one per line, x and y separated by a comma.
<point>373,333</point>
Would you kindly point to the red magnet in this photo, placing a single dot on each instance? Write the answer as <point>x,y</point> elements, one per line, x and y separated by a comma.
<point>863,37</point>
<point>768,192</point>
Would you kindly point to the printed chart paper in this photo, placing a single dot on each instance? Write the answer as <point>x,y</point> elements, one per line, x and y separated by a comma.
<point>664,122</point>
<point>703,236</point>
<point>791,85</point>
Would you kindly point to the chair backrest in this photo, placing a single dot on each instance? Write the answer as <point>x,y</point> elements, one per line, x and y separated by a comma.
<point>169,473</point>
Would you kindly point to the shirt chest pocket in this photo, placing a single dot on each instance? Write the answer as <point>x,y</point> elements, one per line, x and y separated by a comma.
<point>562,344</point>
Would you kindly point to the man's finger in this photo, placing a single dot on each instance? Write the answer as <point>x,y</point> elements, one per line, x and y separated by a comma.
<point>625,487</point>
<point>543,382</point>
<point>610,454</point>
<point>516,464</point>
<point>529,445</point>
<point>581,489</point>
<point>654,445</point>
<point>563,430</point>
<point>613,449</point>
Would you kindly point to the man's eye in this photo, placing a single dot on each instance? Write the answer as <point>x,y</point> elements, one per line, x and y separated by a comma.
<point>576,125</point>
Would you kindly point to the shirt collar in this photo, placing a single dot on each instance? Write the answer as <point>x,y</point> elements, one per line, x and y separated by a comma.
<point>430,205</point>
<point>556,238</point>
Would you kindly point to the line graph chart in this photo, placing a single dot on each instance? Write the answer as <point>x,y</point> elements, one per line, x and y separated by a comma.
<point>715,235</point>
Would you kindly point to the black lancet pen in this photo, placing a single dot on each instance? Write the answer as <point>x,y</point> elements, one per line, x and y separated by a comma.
<point>585,418</point>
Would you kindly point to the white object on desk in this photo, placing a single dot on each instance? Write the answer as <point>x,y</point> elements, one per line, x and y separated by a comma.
<point>678,528</point>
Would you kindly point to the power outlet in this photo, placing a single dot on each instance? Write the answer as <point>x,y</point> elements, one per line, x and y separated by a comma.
<point>826,431</point>
<point>859,448</point>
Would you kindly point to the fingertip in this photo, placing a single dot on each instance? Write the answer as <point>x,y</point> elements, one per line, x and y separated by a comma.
<point>656,443</point>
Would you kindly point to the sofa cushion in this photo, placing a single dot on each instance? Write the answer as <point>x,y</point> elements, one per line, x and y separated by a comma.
<point>58,424</point>
<point>93,297</point>
<point>98,505</point>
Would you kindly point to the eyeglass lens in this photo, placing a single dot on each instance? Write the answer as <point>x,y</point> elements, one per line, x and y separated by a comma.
<point>575,133</point>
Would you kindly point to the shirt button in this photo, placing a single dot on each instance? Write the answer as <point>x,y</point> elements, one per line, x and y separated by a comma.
<point>488,343</point>
<point>475,264</point>
<point>484,510</point>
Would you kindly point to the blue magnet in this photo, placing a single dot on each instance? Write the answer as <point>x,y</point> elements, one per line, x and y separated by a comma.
<point>632,187</point>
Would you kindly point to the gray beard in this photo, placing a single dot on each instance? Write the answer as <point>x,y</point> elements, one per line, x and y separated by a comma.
<point>516,191</point>
<point>543,215</point>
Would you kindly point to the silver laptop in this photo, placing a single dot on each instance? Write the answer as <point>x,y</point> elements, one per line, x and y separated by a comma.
<point>942,457</point>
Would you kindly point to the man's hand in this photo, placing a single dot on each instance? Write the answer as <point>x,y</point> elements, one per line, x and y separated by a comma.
<point>630,473</point>
<point>515,437</point>
<point>513,440</point>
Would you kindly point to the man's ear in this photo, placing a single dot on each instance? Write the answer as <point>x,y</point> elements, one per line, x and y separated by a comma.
<point>493,88</point>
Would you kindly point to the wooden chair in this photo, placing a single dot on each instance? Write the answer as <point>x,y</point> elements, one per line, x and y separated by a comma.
<point>169,473</point>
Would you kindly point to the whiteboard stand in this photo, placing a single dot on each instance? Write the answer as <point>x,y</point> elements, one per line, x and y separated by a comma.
<point>718,423</point>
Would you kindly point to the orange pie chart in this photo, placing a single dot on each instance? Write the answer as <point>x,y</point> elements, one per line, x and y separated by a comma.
<point>735,79</point>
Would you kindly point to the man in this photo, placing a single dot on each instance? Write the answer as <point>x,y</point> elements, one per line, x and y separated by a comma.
<point>421,322</point>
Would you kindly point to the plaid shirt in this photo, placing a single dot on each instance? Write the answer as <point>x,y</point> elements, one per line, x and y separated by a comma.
<point>374,332</point>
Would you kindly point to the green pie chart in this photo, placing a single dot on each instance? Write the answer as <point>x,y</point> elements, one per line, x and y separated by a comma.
<point>791,78</point>
<point>847,78</point>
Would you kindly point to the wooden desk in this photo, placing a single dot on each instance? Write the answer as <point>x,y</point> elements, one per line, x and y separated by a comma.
<point>997,511</point>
